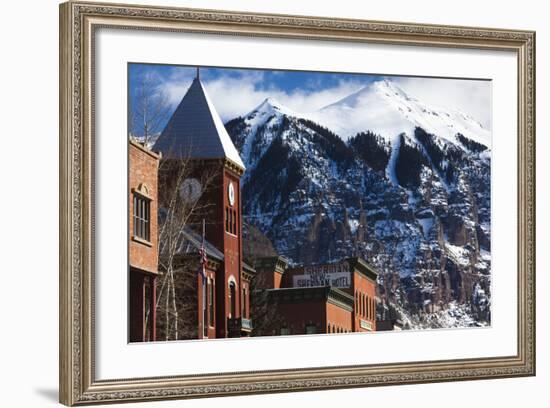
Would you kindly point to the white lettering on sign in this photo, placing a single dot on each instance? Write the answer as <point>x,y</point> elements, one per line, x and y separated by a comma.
<point>336,275</point>
<point>327,268</point>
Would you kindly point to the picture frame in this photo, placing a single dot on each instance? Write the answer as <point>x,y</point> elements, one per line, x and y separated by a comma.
<point>79,24</point>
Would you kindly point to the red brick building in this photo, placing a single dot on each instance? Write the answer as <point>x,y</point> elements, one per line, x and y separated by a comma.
<point>216,293</point>
<point>143,244</point>
<point>335,297</point>
<point>217,306</point>
<point>270,272</point>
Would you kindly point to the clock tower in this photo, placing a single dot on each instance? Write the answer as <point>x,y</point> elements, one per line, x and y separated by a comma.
<point>195,134</point>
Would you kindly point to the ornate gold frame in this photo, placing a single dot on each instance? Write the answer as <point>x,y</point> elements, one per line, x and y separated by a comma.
<point>77,24</point>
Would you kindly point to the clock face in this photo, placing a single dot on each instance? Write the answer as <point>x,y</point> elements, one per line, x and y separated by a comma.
<point>190,190</point>
<point>231,194</point>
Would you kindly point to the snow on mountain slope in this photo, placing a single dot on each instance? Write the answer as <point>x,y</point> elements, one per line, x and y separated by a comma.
<point>255,140</point>
<point>382,176</point>
<point>269,106</point>
<point>384,108</point>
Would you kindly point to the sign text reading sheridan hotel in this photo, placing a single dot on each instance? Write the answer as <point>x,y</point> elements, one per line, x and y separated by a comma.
<point>336,275</point>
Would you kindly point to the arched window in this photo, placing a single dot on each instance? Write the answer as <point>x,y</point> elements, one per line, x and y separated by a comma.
<point>373,309</point>
<point>226,219</point>
<point>370,308</point>
<point>142,216</point>
<point>211,303</point>
<point>232,300</point>
<point>243,303</point>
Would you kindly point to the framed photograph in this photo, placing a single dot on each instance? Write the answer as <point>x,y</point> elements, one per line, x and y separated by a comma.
<point>256,203</point>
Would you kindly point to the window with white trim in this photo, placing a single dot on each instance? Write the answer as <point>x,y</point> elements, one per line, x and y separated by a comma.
<point>142,217</point>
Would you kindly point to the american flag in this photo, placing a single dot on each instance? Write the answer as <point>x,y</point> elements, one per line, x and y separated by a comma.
<point>203,259</point>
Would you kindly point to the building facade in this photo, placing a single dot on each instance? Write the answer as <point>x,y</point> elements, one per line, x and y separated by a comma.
<point>311,310</point>
<point>215,294</point>
<point>195,139</point>
<point>337,297</point>
<point>143,241</point>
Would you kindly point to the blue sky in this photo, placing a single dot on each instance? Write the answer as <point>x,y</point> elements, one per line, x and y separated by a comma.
<point>236,92</point>
<point>286,81</point>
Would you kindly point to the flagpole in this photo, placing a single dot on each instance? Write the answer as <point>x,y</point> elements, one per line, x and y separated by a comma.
<point>203,228</point>
<point>203,256</point>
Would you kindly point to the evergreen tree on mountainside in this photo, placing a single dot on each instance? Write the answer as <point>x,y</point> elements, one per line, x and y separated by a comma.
<point>471,144</point>
<point>330,142</point>
<point>372,149</point>
<point>416,202</point>
<point>409,164</point>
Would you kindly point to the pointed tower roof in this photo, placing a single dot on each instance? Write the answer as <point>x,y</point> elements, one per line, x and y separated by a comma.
<point>195,130</point>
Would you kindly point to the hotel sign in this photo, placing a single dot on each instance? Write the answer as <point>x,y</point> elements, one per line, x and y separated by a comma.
<point>336,275</point>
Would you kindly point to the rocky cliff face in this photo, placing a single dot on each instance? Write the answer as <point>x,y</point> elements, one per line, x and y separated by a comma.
<point>411,197</point>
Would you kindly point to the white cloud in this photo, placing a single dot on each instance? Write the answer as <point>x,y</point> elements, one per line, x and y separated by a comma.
<point>234,96</point>
<point>238,95</point>
<point>473,97</point>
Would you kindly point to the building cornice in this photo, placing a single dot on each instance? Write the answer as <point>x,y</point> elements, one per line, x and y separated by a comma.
<point>145,271</point>
<point>329,294</point>
<point>144,149</point>
<point>234,167</point>
<point>341,299</point>
<point>248,272</point>
<point>278,263</point>
<point>365,269</point>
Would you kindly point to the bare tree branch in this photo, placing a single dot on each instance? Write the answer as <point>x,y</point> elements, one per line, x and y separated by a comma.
<point>149,110</point>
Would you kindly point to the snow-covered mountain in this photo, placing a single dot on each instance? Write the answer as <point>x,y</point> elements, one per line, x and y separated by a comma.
<point>268,115</point>
<point>385,109</point>
<point>380,175</point>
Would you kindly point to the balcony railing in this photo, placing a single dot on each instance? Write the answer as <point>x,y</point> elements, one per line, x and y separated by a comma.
<point>239,324</point>
<point>246,324</point>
